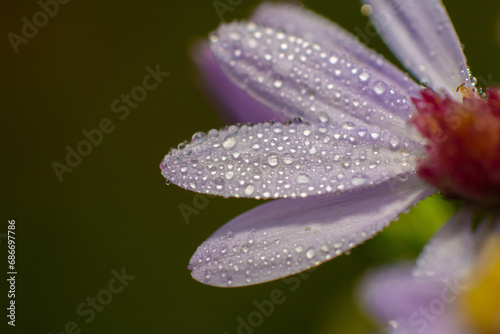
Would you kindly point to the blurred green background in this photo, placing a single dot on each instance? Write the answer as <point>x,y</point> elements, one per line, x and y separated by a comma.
<point>114,210</point>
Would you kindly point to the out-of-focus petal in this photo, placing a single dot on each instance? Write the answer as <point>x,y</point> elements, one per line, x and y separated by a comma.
<point>413,306</point>
<point>287,236</point>
<point>420,34</point>
<point>421,298</point>
<point>314,28</point>
<point>294,160</point>
<point>393,293</point>
<point>298,78</point>
<point>233,102</point>
<point>452,251</point>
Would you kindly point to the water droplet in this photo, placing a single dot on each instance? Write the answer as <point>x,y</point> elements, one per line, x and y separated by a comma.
<point>349,126</point>
<point>364,76</point>
<point>337,244</point>
<point>219,183</point>
<point>403,177</point>
<point>299,249</point>
<point>359,179</point>
<point>249,189</point>
<point>323,117</point>
<point>256,145</point>
<point>198,138</point>
<point>310,253</point>
<point>229,142</point>
<point>287,159</point>
<point>214,38</point>
<point>394,142</point>
<point>252,43</point>
<point>375,135</point>
<point>334,60</point>
<point>302,178</point>
<point>379,88</point>
<point>278,82</point>
<point>272,160</point>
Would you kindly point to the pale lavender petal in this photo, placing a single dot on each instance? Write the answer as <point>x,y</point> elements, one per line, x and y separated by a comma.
<point>393,293</point>
<point>293,160</point>
<point>452,251</point>
<point>234,103</point>
<point>314,28</point>
<point>409,305</point>
<point>421,35</point>
<point>287,236</point>
<point>408,297</point>
<point>298,78</point>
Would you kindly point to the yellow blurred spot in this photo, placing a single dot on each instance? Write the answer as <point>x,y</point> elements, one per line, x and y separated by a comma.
<point>482,301</point>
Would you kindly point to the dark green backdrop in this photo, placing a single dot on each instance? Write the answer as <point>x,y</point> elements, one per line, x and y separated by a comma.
<point>114,210</point>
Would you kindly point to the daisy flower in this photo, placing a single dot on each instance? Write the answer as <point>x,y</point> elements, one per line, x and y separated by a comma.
<point>341,139</point>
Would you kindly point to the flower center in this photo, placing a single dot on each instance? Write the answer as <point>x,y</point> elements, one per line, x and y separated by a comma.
<point>481,302</point>
<point>463,144</point>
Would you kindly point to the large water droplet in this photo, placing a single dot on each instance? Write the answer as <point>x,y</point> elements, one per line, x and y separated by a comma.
<point>323,117</point>
<point>198,138</point>
<point>349,126</point>
<point>379,87</point>
<point>302,178</point>
<point>364,76</point>
<point>287,159</point>
<point>394,142</point>
<point>272,160</point>
<point>229,142</point>
<point>310,253</point>
<point>359,180</point>
<point>249,190</point>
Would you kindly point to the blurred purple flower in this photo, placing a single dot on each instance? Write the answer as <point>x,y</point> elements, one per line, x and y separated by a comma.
<point>453,288</point>
<point>345,167</point>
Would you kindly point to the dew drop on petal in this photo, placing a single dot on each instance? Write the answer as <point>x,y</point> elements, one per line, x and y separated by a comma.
<point>334,60</point>
<point>394,142</point>
<point>310,253</point>
<point>229,142</point>
<point>349,126</point>
<point>272,160</point>
<point>249,189</point>
<point>287,159</point>
<point>278,82</point>
<point>323,117</point>
<point>364,76</point>
<point>302,178</point>
<point>379,88</point>
<point>359,179</point>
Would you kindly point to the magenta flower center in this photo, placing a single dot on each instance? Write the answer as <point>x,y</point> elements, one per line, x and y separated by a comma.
<point>463,144</point>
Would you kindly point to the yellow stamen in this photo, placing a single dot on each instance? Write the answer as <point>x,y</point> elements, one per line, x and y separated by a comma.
<point>466,92</point>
